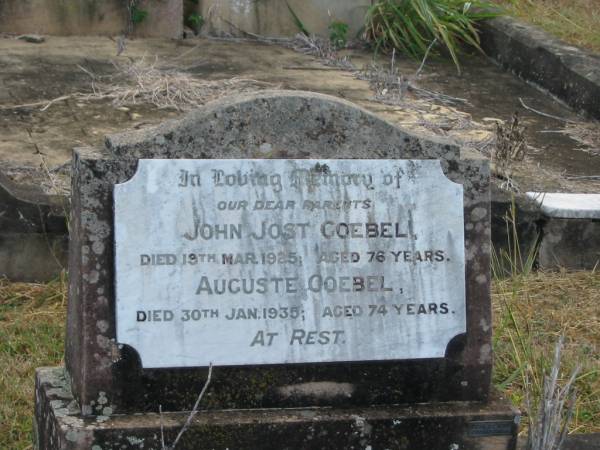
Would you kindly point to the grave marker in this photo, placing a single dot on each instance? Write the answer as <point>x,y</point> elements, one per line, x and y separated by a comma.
<point>312,276</point>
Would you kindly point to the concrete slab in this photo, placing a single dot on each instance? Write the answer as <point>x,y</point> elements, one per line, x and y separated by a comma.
<point>38,73</point>
<point>423,426</point>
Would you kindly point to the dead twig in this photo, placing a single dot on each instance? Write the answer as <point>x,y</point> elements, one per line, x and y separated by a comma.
<point>142,82</point>
<point>549,427</point>
<point>550,116</point>
<point>162,429</point>
<point>59,99</point>
<point>44,103</point>
<point>193,412</point>
<point>582,177</point>
<point>420,69</point>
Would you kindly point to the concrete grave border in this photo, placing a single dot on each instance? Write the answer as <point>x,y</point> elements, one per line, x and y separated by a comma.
<point>566,71</point>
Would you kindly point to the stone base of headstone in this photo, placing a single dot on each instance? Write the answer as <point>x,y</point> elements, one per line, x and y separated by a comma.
<point>426,426</point>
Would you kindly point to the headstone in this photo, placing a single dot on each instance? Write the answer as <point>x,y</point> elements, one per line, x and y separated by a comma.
<point>313,254</point>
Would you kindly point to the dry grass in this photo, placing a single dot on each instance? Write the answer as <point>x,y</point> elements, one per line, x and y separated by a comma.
<point>574,21</point>
<point>320,48</point>
<point>587,135</point>
<point>32,323</point>
<point>531,312</point>
<point>149,82</point>
<point>146,81</point>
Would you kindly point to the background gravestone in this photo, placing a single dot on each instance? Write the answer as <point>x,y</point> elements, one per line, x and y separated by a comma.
<point>107,378</point>
<point>33,228</point>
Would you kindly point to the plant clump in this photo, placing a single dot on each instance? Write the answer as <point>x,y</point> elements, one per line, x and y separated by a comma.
<point>338,33</point>
<point>411,26</point>
<point>511,147</point>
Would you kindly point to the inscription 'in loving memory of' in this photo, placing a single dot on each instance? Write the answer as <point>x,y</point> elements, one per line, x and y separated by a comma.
<point>293,260</point>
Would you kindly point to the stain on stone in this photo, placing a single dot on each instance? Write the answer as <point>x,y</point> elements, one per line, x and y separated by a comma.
<point>321,168</point>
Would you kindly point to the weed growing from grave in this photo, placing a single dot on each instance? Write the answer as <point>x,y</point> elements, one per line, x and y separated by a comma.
<point>138,15</point>
<point>338,34</point>
<point>410,26</point>
<point>323,49</point>
<point>195,21</point>
<point>135,16</point>
<point>513,261</point>
<point>511,146</point>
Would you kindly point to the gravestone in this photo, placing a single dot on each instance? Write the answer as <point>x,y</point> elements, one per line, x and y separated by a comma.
<point>331,268</point>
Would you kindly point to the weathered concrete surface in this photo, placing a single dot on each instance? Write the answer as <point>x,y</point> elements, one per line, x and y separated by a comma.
<point>571,243</point>
<point>273,17</point>
<point>92,17</point>
<point>33,232</point>
<point>570,73</point>
<point>31,257</point>
<point>34,73</point>
<point>315,126</point>
<point>454,425</point>
<point>30,138</point>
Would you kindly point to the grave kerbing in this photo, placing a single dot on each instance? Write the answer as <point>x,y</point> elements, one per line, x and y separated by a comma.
<point>105,379</point>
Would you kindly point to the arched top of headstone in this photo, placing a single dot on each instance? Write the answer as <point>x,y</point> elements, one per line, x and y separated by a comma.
<point>279,124</point>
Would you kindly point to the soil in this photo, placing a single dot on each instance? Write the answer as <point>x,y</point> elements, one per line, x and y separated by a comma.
<point>36,145</point>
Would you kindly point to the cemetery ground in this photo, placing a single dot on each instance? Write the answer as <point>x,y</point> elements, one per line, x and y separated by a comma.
<point>531,311</point>
<point>71,92</point>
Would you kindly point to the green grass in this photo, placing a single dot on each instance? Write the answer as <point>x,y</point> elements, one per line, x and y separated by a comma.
<point>32,323</point>
<point>574,21</point>
<point>530,311</point>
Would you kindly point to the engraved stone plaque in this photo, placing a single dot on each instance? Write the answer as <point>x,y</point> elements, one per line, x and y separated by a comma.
<point>249,262</point>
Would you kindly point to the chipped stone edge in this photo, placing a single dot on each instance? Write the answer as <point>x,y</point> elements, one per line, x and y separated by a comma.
<point>577,208</point>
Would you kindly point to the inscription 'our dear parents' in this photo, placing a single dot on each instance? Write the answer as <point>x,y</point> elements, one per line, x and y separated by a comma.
<point>320,176</point>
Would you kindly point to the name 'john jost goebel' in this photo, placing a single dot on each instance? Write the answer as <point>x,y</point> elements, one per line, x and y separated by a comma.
<point>297,230</point>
